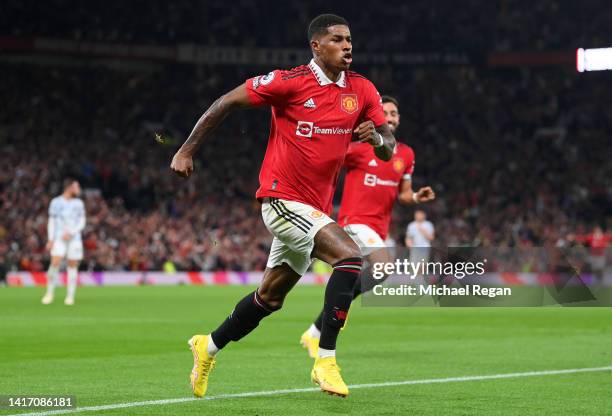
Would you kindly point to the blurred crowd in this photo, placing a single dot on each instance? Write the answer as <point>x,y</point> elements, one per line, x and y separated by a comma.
<point>418,25</point>
<point>517,157</point>
<point>99,127</point>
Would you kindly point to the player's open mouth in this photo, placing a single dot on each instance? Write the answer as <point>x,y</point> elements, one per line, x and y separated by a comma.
<point>347,59</point>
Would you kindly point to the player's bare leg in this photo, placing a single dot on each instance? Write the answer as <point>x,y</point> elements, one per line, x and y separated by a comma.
<point>334,246</point>
<point>72,271</point>
<point>52,278</point>
<point>268,298</point>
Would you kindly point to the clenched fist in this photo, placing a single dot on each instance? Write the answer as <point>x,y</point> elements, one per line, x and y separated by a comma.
<point>182,164</point>
<point>425,194</point>
<point>367,133</point>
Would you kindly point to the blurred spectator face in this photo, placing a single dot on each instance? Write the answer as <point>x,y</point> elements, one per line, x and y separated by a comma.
<point>391,115</point>
<point>74,189</point>
<point>597,231</point>
<point>419,215</point>
<point>334,48</point>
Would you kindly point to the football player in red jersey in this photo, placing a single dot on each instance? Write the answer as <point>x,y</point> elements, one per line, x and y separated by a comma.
<point>316,110</point>
<point>371,188</point>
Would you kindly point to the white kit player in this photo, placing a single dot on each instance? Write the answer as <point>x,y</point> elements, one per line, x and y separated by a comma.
<point>419,235</point>
<point>66,222</point>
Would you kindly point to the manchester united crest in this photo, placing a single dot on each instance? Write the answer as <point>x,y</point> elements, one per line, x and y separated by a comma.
<point>348,103</point>
<point>398,165</point>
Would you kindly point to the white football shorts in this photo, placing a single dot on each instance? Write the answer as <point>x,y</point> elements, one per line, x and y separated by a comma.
<point>294,226</point>
<point>72,250</point>
<point>365,237</point>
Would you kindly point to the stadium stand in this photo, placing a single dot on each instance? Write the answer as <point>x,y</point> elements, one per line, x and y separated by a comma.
<point>518,157</point>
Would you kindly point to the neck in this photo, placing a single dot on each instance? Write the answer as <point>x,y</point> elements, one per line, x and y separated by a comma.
<point>67,195</point>
<point>333,75</point>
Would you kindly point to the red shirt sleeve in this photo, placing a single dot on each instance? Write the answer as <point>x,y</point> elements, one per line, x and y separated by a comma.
<point>270,89</point>
<point>352,155</point>
<point>372,109</point>
<point>409,163</point>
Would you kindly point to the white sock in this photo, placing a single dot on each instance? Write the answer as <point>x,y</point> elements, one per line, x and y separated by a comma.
<point>212,349</point>
<point>72,282</point>
<point>314,332</point>
<point>323,353</point>
<point>52,276</point>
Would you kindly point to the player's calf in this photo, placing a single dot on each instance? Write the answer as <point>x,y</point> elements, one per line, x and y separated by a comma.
<point>338,298</point>
<point>244,318</point>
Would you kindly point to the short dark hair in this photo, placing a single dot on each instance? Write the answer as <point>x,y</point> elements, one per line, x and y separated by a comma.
<point>389,99</point>
<point>319,25</point>
<point>69,180</point>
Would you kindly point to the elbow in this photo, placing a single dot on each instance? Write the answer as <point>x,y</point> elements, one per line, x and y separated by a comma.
<point>389,148</point>
<point>384,153</point>
<point>388,152</point>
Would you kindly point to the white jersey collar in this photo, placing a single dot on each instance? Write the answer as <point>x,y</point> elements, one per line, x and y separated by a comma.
<point>322,78</point>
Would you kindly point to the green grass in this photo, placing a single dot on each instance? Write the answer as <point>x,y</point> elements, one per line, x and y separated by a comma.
<point>129,344</point>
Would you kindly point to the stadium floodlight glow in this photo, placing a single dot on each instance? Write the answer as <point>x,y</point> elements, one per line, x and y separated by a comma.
<point>599,59</point>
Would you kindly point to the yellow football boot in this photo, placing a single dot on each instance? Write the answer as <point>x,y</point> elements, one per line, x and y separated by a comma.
<point>310,343</point>
<point>326,374</point>
<point>203,364</point>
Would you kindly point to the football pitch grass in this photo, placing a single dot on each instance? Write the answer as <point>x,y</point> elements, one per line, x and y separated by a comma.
<point>127,345</point>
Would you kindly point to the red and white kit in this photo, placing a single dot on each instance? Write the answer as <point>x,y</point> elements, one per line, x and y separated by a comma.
<point>371,187</point>
<point>312,125</point>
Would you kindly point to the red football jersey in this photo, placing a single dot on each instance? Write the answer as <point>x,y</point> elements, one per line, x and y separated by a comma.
<point>312,125</point>
<point>598,243</point>
<point>371,186</point>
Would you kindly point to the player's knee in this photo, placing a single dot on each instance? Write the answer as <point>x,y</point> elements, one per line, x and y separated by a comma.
<point>275,304</point>
<point>350,250</point>
<point>273,301</point>
<point>350,263</point>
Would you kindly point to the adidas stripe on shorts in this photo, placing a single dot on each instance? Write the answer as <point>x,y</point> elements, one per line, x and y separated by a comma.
<point>294,226</point>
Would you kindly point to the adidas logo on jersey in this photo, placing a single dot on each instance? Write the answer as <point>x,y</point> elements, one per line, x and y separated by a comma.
<point>309,103</point>
<point>373,163</point>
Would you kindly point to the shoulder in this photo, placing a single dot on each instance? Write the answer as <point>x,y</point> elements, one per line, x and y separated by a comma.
<point>356,77</point>
<point>405,150</point>
<point>55,200</point>
<point>359,81</point>
<point>278,79</point>
<point>297,72</point>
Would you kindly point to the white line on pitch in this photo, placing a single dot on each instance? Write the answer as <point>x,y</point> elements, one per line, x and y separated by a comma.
<point>313,389</point>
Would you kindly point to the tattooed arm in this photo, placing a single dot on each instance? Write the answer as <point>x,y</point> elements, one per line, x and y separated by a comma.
<point>379,137</point>
<point>182,162</point>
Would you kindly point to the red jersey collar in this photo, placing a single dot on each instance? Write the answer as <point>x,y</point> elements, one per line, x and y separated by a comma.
<point>322,79</point>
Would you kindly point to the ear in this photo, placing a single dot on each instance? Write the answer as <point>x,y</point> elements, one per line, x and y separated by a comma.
<point>315,45</point>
